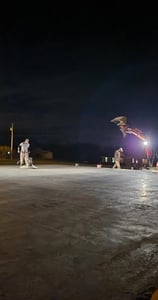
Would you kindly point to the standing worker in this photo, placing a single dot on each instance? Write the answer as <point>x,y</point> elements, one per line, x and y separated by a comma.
<point>117,158</point>
<point>23,149</point>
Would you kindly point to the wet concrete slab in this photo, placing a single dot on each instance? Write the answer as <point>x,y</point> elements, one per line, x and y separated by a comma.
<point>71,232</point>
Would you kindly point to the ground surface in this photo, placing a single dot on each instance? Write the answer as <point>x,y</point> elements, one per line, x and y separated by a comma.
<point>75,233</point>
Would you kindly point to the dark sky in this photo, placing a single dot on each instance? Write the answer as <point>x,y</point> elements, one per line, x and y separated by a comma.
<point>63,77</point>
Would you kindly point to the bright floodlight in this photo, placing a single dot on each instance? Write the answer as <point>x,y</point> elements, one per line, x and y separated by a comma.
<point>145,143</point>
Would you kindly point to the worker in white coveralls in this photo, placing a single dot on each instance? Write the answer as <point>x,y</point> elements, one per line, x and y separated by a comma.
<point>23,149</point>
<point>117,158</point>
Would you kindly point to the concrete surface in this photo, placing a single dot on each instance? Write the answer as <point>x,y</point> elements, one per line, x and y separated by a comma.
<point>74,233</point>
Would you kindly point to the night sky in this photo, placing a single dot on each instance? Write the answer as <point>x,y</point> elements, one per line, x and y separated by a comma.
<point>63,77</point>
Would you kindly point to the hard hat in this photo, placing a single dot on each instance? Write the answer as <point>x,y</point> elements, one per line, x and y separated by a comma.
<point>155,295</point>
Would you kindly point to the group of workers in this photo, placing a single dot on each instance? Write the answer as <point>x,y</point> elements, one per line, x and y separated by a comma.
<point>23,150</point>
